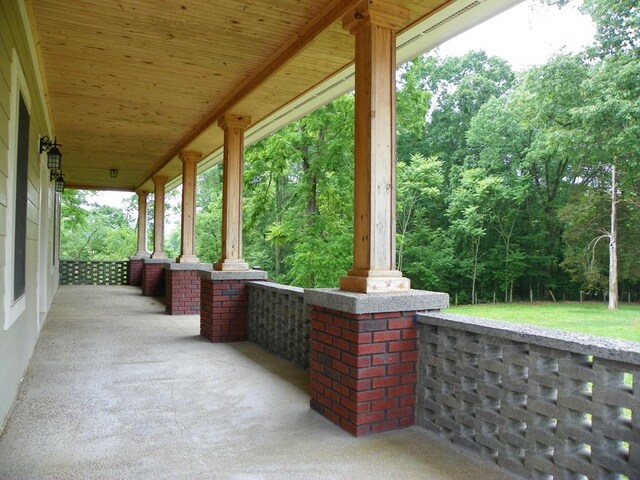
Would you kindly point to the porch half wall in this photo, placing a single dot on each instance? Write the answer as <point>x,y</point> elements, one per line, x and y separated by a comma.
<point>21,322</point>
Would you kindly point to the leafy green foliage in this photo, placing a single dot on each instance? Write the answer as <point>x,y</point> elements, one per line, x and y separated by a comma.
<point>618,26</point>
<point>503,180</point>
<point>92,232</point>
<point>298,198</point>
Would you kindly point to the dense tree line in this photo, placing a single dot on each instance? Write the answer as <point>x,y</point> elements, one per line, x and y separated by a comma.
<point>510,186</point>
<point>96,232</point>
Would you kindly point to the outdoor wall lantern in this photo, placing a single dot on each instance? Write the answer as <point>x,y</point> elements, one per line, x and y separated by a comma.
<point>54,161</point>
<point>59,184</point>
<point>113,172</point>
<point>54,157</point>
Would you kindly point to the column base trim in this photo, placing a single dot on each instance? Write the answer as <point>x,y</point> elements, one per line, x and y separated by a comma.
<point>375,281</point>
<point>231,265</point>
<point>187,259</point>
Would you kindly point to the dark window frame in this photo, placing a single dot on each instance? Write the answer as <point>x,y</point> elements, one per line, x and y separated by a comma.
<point>20,205</point>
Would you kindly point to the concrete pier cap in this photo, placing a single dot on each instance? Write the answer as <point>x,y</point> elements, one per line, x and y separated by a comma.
<point>243,275</point>
<point>360,303</point>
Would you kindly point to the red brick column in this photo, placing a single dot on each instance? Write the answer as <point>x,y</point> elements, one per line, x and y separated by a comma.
<point>364,361</point>
<point>135,267</point>
<point>223,304</point>
<point>364,369</point>
<point>153,282</point>
<point>182,288</point>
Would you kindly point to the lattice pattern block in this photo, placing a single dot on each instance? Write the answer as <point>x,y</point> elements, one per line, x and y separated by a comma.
<point>89,272</point>
<point>279,321</point>
<point>539,411</point>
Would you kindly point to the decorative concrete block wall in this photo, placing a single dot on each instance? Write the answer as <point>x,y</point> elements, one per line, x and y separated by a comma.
<point>136,264</point>
<point>153,278</point>
<point>223,304</point>
<point>93,272</point>
<point>279,321</point>
<point>182,287</point>
<point>541,403</point>
<point>364,357</point>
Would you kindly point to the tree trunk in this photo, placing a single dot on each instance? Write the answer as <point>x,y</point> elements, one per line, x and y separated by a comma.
<point>404,227</point>
<point>613,244</point>
<point>476,249</point>
<point>506,269</point>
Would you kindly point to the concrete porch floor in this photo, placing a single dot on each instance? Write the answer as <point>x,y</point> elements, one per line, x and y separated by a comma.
<point>118,389</point>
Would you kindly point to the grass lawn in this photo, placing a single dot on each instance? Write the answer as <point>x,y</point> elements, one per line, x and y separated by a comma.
<point>587,317</point>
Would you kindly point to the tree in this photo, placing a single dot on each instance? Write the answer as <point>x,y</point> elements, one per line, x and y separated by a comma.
<point>528,137</point>
<point>470,215</point>
<point>413,101</point>
<point>609,123</point>
<point>613,243</point>
<point>298,202</point>
<point>498,144</point>
<point>618,27</point>
<point>208,222</point>
<point>419,183</point>
<point>460,87</point>
<point>92,232</point>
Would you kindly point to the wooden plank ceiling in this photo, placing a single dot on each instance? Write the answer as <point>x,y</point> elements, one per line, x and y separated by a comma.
<point>131,83</point>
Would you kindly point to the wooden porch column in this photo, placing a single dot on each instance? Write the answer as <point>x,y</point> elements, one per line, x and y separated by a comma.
<point>189,163</point>
<point>158,217</point>
<point>374,25</point>
<point>233,126</point>
<point>142,224</point>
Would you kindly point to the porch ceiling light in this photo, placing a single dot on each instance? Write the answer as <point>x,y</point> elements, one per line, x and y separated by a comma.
<point>59,184</point>
<point>54,157</point>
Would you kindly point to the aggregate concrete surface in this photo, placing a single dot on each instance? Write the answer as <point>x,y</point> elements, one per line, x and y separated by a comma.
<point>118,389</point>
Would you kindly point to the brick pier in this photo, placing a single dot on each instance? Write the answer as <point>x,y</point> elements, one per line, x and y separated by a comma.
<point>136,264</point>
<point>153,281</point>
<point>182,287</point>
<point>223,304</point>
<point>364,356</point>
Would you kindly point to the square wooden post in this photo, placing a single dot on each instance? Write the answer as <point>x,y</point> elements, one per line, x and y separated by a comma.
<point>187,243</point>
<point>374,25</point>
<point>158,217</point>
<point>233,126</point>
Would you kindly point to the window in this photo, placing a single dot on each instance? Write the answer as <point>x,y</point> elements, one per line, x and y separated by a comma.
<point>13,294</point>
<point>56,226</point>
<point>20,218</point>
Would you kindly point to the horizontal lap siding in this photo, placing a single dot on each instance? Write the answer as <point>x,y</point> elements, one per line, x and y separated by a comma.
<point>16,343</point>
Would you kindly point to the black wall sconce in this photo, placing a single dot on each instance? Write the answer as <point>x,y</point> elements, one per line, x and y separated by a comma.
<point>54,162</point>
<point>58,186</point>
<point>54,157</point>
<point>113,172</point>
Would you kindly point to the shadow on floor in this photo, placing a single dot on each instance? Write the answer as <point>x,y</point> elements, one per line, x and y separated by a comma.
<point>277,366</point>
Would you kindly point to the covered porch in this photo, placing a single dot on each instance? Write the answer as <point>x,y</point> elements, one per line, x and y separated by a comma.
<point>118,389</point>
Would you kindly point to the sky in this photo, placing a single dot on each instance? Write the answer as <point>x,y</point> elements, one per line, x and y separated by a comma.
<point>525,35</point>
